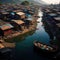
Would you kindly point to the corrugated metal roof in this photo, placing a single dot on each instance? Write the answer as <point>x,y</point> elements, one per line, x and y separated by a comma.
<point>52,14</point>
<point>29,19</point>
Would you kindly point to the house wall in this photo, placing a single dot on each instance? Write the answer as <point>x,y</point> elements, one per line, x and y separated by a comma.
<point>17,26</point>
<point>7,32</point>
<point>22,16</point>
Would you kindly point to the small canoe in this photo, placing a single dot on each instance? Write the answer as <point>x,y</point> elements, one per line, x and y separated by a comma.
<point>44,48</point>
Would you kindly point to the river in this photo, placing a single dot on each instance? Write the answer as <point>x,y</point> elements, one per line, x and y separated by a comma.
<point>24,48</point>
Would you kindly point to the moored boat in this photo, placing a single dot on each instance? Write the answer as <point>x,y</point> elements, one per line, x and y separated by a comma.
<point>46,49</point>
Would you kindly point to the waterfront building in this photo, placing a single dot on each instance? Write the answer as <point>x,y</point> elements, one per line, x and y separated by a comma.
<point>1,16</point>
<point>51,17</point>
<point>58,25</point>
<point>18,24</point>
<point>5,28</point>
<point>58,12</point>
<point>52,14</point>
<point>21,14</point>
<point>57,19</point>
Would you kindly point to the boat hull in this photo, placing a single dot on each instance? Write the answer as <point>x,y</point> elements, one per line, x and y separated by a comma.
<point>43,51</point>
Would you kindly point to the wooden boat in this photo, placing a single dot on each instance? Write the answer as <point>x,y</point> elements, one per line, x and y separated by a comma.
<point>40,47</point>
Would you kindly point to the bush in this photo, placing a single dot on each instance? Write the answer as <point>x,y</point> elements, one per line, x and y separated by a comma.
<point>25,3</point>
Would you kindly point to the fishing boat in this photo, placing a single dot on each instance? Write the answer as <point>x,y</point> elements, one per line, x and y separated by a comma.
<point>43,48</point>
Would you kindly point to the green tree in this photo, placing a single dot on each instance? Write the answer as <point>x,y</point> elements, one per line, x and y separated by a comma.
<point>25,3</point>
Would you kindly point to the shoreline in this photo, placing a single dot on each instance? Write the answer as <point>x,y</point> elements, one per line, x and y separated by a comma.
<point>12,45</point>
<point>17,33</point>
<point>31,28</point>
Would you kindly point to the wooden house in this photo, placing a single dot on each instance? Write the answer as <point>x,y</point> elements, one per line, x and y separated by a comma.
<point>56,10</point>
<point>58,25</point>
<point>48,11</point>
<point>21,14</point>
<point>19,10</point>
<point>58,33</point>
<point>4,14</point>
<point>57,19</point>
<point>58,13</point>
<point>5,28</point>
<point>52,14</point>
<point>1,15</point>
<point>30,20</point>
<point>18,24</point>
<point>31,12</point>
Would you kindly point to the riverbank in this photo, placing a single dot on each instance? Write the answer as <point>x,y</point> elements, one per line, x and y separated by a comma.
<point>32,27</point>
<point>51,21</point>
<point>11,45</point>
<point>4,44</point>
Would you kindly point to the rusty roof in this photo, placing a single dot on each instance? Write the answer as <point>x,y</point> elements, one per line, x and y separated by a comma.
<point>6,26</point>
<point>20,13</point>
<point>18,21</point>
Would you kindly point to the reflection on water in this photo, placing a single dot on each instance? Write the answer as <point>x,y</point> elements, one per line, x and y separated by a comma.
<point>21,37</point>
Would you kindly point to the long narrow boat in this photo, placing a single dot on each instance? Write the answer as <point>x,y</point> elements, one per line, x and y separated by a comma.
<point>46,49</point>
